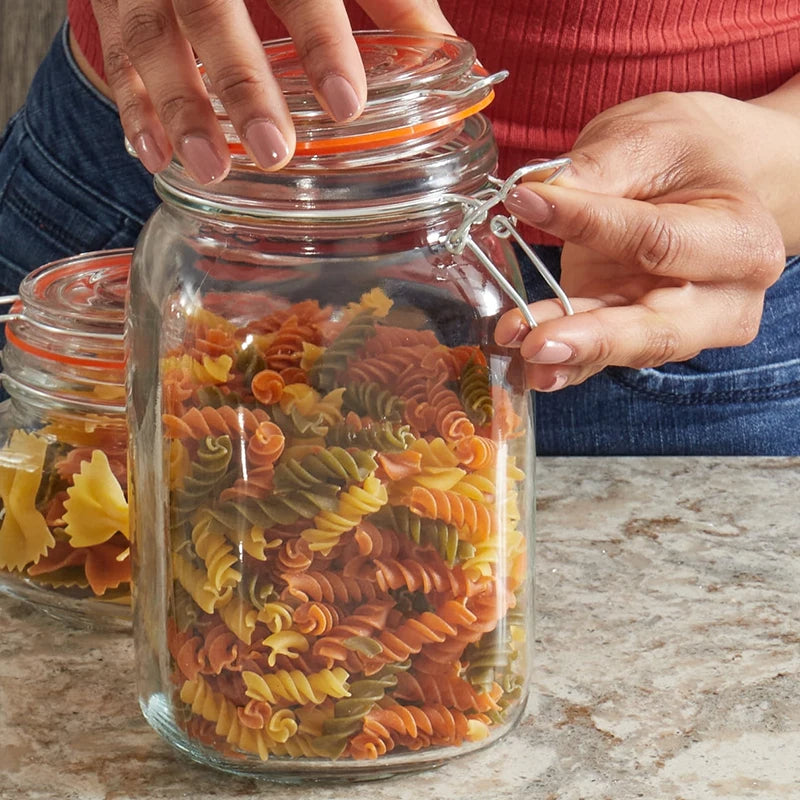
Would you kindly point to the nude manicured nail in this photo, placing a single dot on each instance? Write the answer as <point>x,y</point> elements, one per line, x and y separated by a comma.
<point>529,206</point>
<point>201,158</point>
<point>551,353</point>
<point>515,336</point>
<point>341,97</point>
<point>559,381</point>
<point>149,153</point>
<point>266,143</point>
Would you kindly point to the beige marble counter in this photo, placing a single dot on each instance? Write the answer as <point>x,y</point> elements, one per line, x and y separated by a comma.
<point>668,660</point>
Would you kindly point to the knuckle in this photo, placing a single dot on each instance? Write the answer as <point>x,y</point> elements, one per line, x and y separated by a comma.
<point>172,108</point>
<point>318,39</point>
<point>129,108</point>
<point>236,84</point>
<point>758,248</point>
<point>196,13</point>
<point>656,247</point>
<point>662,345</point>
<point>587,224</point>
<point>771,257</point>
<point>142,28</point>
<point>116,63</point>
<point>749,325</point>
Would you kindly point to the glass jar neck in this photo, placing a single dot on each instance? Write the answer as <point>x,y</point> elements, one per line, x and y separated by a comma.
<point>377,184</point>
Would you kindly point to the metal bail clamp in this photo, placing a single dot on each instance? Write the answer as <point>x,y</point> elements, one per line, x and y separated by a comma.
<point>476,211</point>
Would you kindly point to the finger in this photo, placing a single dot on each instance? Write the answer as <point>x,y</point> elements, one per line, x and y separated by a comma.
<point>137,115</point>
<point>706,239</point>
<point>410,15</point>
<point>328,51</point>
<point>232,55</point>
<point>671,324</point>
<point>551,379</point>
<point>512,328</point>
<point>164,60</point>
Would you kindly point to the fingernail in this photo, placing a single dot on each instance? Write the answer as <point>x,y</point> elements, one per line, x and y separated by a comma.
<point>201,158</point>
<point>529,206</point>
<point>266,143</point>
<point>550,353</point>
<point>522,330</point>
<point>149,153</point>
<point>559,381</point>
<point>341,97</point>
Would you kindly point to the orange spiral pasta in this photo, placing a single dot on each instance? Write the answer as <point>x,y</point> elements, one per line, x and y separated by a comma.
<point>197,423</point>
<point>346,576</point>
<point>267,386</point>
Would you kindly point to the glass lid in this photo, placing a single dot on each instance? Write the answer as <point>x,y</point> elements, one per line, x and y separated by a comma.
<point>72,311</point>
<point>416,84</point>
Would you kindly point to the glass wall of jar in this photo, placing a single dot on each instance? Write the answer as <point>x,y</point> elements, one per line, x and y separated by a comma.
<point>63,459</point>
<point>331,458</point>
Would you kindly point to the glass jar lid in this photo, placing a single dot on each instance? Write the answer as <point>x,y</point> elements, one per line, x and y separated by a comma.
<point>417,84</point>
<point>72,311</point>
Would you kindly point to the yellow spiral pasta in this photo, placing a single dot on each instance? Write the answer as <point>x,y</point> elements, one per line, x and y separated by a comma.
<point>296,686</point>
<point>354,503</point>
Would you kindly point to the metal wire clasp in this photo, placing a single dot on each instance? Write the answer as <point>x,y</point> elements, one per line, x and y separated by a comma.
<point>9,300</point>
<point>476,211</point>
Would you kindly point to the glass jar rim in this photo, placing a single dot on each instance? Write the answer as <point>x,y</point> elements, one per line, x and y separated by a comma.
<point>417,84</point>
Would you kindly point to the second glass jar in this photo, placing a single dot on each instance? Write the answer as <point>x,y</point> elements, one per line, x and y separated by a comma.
<point>331,459</point>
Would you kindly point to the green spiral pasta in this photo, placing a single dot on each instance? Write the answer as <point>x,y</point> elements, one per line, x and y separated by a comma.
<point>373,400</point>
<point>241,515</point>
<point>333,465</point>
<point>473,389</point>
<point>216,398</point>
<point>323,375</point>
<point>442,536</point>
<point>297,423</point>
<point>249,362</point>
<point>202,484</point>
<point>349,712</point>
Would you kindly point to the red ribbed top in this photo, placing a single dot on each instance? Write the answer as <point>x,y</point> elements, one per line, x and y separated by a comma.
<point>570,59</point>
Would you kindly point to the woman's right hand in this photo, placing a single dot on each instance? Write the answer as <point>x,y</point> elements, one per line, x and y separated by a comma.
<point>150,48</point>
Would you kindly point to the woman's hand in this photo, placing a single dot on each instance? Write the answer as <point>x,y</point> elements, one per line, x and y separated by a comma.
<point>676,215</point>
<point>150,48</point>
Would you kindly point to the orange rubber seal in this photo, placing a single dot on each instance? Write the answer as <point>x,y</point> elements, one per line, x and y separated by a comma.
<point>49,355</point>
<point>361,141</point>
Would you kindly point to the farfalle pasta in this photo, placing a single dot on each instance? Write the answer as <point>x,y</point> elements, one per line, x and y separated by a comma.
<point>349,573</point>
<point>64,508</point>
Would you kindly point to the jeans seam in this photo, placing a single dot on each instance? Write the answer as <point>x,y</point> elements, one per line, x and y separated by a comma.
<point>790,389</point>
<point>59,235</point>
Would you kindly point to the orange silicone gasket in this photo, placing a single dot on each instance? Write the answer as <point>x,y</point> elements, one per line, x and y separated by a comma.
<point>49,355</point>
<point>361,141</point>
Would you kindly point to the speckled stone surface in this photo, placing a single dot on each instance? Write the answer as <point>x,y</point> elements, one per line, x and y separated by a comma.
<point>667,666</point>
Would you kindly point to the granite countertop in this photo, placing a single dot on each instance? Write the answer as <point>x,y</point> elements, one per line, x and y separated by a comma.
<point>667,660</point>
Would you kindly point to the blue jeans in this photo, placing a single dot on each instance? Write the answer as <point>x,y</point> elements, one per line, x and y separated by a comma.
<point>68,186</point>
<point>726,401</point>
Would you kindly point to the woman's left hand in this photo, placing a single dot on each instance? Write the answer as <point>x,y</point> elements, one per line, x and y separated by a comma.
<point>676,214</point>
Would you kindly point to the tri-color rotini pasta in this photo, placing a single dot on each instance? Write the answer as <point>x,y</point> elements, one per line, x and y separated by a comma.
<point>348,559</point>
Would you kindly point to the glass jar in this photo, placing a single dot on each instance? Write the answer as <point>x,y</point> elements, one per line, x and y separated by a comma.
<point>332,460</point>
<point>63,460</point>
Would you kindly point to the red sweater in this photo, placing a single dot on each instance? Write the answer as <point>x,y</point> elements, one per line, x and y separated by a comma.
<point>570,59</point>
